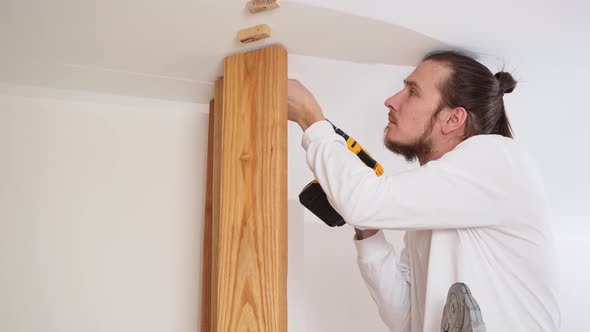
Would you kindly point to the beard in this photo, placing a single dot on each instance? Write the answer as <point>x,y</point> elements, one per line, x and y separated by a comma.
<point>422,147</point>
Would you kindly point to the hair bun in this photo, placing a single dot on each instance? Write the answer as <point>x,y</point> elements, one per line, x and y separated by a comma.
<point>507,82</point>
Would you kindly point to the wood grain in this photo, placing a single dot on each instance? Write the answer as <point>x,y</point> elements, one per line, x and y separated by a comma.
<point>251,256</point>
<point>254,33</point>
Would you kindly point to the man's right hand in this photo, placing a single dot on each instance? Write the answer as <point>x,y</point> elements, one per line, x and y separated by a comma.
<point>362,234</point>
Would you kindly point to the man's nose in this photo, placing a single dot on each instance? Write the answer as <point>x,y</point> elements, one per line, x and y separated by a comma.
<point>392,103</point>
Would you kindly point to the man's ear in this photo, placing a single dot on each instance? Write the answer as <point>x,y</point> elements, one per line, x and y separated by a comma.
<point>454,119</point>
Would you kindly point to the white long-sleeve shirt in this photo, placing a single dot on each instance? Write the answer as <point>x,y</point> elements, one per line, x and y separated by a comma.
<point>476,215</point>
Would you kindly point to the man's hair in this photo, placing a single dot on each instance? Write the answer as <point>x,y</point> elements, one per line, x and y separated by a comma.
<point>472,85</point>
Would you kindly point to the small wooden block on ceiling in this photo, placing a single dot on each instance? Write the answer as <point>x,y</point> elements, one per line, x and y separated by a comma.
<point>257,6</point>
<point>254,33</point>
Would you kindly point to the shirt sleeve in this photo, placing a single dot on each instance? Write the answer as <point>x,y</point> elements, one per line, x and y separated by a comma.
<point>387,280</point>
<point>462,189</point>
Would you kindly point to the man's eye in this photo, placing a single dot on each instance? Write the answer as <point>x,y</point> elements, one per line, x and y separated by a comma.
<point>412,93</point>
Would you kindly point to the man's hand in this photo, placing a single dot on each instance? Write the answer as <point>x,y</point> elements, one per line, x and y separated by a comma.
<point>303,107</point>
<point>363,234</point>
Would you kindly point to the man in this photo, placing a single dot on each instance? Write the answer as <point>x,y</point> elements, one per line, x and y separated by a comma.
<point>473,211</point>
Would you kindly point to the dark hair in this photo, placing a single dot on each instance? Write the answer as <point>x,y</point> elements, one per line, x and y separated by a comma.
<point>472,85</point>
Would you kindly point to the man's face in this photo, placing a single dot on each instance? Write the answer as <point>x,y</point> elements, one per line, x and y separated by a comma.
<point>411,111</point>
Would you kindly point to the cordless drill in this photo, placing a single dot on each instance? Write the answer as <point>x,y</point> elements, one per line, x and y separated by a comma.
<point>313,196</point>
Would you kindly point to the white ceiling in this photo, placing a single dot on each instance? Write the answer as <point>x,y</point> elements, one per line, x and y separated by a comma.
<point>554,30</point>
<point>174,49</point>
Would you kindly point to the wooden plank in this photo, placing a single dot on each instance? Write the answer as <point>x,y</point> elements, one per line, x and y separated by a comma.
<point>252,233</point>
<point>257,6</point>
<point>215,204</point>
<point>254,33</point>
<point>206,270</point>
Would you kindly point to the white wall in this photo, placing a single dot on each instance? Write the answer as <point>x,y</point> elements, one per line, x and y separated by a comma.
<point>101,200</point>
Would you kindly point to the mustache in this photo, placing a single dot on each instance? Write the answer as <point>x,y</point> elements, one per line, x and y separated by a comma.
<point>390,117</point>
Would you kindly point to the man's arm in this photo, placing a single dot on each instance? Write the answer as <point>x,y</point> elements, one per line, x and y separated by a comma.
<point>387,278</point>
<point>460,190</point>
